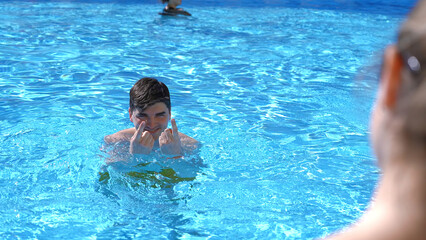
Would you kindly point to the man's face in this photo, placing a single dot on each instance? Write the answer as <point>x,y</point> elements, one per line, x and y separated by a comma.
<point>156,118</point>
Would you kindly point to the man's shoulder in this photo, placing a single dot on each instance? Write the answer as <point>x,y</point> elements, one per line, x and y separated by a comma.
<point>120,136</point>
<point>188,142</point>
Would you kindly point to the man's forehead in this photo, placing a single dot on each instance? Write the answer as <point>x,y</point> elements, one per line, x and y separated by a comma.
<point>154,108</point>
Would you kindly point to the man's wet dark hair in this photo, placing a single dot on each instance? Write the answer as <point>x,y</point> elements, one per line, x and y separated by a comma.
<point>148,91</point>
<point>164,1</point>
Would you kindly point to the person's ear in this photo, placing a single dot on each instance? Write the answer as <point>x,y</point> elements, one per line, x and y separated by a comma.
<point>391,75</point>
<point>130,115</point>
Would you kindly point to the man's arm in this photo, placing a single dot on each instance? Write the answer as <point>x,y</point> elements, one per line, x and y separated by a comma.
<point>188,143</point>
<point>121,136</point>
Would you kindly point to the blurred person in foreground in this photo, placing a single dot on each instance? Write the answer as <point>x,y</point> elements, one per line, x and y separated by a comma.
<point>398,136</point>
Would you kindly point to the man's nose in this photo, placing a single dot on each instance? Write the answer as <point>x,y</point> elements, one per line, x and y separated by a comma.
<point>149,123</point>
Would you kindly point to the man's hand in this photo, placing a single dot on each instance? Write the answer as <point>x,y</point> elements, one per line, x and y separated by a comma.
<point>170,141</point>
<point>141,142</point>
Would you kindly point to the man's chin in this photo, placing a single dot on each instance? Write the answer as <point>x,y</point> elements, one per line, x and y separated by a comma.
<point>156,136</point>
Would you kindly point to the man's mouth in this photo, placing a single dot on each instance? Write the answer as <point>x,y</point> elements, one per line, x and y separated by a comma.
<point>152,130</point>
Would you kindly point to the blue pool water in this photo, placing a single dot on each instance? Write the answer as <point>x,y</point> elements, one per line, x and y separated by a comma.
<point>277,92</point>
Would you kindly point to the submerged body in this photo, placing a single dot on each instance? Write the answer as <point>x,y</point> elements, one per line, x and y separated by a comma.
<point>174,12</point>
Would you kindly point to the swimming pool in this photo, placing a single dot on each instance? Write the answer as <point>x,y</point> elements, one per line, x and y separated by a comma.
<point>277,92</point>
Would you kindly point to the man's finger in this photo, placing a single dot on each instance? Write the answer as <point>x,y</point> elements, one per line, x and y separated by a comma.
<point>161,138</point>
<point>140,129</point>
<point>169,134</point>
<point>145,138</point>
<point>174,127</point>
<point>150,140</point>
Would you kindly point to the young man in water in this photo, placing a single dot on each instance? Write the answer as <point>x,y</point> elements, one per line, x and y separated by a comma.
<point>172,10</point>
<point>150,111</point>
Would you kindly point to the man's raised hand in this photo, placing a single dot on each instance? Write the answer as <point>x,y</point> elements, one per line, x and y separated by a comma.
<point>170,141</point>
<point>141,142</point>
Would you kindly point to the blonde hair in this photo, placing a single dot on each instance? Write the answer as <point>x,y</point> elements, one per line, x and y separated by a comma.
<point>411,44</point>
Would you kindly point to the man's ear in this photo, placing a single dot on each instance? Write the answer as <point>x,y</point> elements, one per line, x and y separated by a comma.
<point>391,75</point>
<point>130,114</point>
